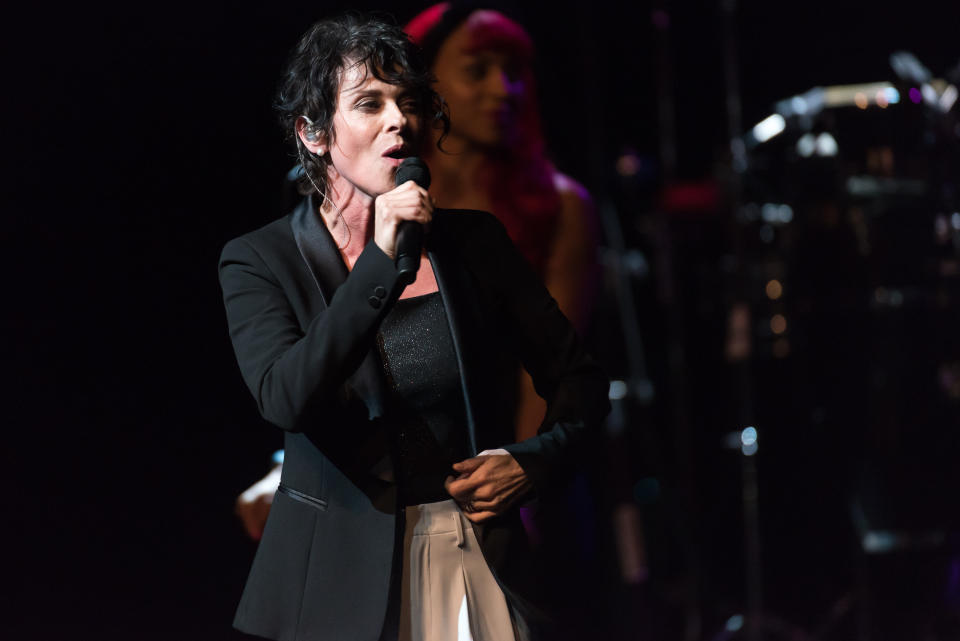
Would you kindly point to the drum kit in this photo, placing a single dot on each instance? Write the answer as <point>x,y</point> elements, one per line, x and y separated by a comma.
<point>849,238</point>
<point>871,169</point>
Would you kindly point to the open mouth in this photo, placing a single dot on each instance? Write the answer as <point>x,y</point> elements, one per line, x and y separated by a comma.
<point>398,152</point>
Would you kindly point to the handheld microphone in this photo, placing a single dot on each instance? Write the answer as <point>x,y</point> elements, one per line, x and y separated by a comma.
<point>410,233</point>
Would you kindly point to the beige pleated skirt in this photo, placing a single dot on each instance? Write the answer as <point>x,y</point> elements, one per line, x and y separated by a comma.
<point>447,590</point>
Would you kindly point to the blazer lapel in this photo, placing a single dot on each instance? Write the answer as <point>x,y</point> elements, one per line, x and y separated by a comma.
<point>322,257</point>
<point>318,249</point>
<point>488,372</point>
<point>464,319</point>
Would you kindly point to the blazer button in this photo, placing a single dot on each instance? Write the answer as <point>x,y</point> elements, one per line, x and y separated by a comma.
<point>374,302</point>
<point>380,291</point>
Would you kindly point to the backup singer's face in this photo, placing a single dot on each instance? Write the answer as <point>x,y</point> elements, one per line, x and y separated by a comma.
<point>375,126</point>
<point>482,79</point>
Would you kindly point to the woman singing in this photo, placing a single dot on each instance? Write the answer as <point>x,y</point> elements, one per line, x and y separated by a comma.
<point>396,513</point>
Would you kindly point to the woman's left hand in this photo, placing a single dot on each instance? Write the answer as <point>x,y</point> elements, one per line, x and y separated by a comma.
<point>488,484</point>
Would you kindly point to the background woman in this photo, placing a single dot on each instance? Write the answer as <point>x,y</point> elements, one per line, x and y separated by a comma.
<point>494,158</point>
<point>389,396</point>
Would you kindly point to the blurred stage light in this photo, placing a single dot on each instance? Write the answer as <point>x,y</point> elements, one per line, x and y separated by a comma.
<point>748,441</point>
<point>774,289</point>
<point>892,95</point>
<point>776,214</point>
<point>915,95</point>
<point>827,145</point>
<point>770,213</point>
<point>778,324</point>
<point>806,145</point>
<point>618,390</point>
<point>948,98</point>
<point>628,165</point>
<point>799,105</point>
<point>769,127</point>
<point>734,623</point>
<point>908,67</point>
<point>807,104</point>
<point>860,99</point>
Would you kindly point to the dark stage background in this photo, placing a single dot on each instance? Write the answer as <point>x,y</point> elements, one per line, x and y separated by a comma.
<point>138,139</point>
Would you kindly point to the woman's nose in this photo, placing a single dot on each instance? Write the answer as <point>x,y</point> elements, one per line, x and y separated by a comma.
<point>395,116</point>
<point>504,84</point>
<point>499,82</point>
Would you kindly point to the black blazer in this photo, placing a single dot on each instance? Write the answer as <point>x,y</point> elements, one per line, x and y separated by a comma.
<point>304,329</point>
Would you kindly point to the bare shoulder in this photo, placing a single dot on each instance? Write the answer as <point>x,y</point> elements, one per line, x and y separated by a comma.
<point>570,189</point>
<point>570,268</point>
<point>576,205</point>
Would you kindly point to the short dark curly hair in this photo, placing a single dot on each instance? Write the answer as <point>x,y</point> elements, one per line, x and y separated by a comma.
<point>311,80</point>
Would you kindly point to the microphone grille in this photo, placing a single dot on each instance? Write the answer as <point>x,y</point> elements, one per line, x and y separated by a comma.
<point>413,168</point>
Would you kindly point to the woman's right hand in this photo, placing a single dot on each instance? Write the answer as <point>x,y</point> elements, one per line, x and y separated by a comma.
<point>409,201</point>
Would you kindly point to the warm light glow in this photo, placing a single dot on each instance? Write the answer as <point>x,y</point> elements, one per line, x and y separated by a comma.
<point>881,99</point>
<point>769,127</point>
<point>860,99</point>
<point>778,324</point>
<point>774,289</point>
<point>628,165</point>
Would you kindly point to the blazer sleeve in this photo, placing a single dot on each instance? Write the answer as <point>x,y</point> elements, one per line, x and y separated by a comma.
<point>573,384</point>
<point>293,372</point>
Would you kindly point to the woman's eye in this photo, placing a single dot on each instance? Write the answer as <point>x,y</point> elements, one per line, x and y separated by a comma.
<point>410,105</point>
<point>476,71</point>
<point>368,105</point>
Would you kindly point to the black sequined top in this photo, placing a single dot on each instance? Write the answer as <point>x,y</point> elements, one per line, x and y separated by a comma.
<point>429,414</point>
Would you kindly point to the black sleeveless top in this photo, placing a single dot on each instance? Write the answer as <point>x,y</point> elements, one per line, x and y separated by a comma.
<point>428,416</point>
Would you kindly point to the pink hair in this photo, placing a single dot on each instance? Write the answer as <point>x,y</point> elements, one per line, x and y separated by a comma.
<point>518,176</point>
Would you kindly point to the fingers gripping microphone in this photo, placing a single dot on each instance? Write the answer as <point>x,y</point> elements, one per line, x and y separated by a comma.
<point>410,233</point>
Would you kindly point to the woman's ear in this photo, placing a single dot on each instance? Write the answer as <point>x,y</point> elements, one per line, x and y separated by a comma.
<point>313,139</point>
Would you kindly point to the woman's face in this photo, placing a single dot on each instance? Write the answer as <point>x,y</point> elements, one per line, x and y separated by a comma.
<point>375,126</point>
<point>483,84</point>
